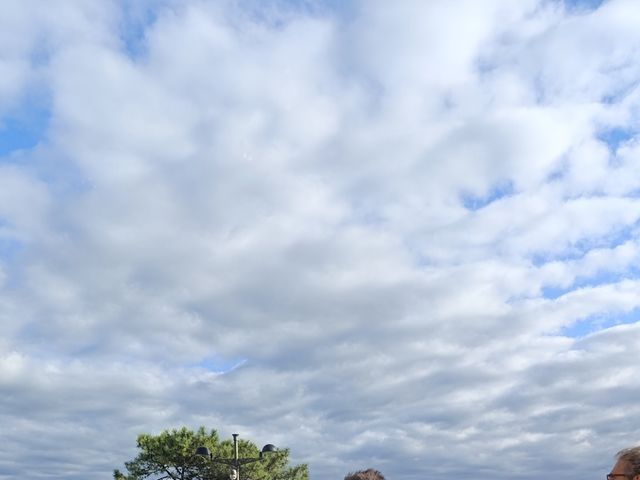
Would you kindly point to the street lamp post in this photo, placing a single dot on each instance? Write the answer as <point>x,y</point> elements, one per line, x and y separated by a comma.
<point>236,461</point>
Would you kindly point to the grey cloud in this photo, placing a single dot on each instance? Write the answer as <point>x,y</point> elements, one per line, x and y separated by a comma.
<point>284,190</point>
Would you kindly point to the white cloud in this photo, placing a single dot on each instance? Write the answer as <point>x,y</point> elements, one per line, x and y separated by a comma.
<point>24,202</point>
<point>380,221</point>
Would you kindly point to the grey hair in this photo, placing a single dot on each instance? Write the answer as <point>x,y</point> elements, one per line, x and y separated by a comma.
<point>632,457</point>
<point>369,474</point>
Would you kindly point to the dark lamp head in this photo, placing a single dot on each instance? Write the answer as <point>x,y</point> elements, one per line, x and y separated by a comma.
<point>268,448</point>
<point>203,452</point>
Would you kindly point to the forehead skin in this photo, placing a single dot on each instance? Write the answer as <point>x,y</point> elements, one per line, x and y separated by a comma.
<point>621,466</point>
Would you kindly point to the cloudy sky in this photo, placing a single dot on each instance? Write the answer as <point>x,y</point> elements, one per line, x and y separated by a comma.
<point>402,234</point>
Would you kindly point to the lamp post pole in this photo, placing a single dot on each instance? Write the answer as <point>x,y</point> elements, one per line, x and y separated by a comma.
<point>236,461</point>
<point>236,464</point>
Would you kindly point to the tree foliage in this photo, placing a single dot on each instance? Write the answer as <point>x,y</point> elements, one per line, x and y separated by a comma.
<point>171,455</point>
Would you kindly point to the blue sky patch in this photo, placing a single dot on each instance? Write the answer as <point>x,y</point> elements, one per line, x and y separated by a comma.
<point>277,13</point>
<point>218,364</point>
<point>17,133</point>
<point>136,19</point>
<point>474,202</point>
<point>615,137</point>
<point>23,131</point>
<point>582,5</point>
<point>603,278</point>
<point>580,248</point>
<point>600,322</point>
<point>9,247</point>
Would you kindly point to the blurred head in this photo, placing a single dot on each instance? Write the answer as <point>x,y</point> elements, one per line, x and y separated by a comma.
<point>369,474</point>
<point>627,465</point>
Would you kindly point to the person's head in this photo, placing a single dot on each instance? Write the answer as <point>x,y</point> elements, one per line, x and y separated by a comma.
<point>369,474</point>
<point>627,466</point>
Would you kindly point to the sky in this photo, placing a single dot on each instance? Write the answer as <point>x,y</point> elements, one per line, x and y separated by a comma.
<point>400,235</point>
